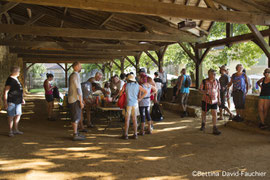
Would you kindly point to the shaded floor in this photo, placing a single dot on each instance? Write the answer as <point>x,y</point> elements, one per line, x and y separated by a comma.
<point>174,151</point>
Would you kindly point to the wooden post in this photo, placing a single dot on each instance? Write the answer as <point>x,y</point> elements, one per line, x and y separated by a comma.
<point>199,73</point>
<point>137,61</point>
<point>66,75</point>
<point>269,45</point>
<point>160,53</point>
<point>122,60</point>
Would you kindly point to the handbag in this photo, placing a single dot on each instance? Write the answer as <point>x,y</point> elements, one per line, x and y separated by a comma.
<point>122,100</point>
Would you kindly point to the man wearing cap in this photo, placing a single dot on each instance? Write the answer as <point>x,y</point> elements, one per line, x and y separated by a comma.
<point>224,81</point>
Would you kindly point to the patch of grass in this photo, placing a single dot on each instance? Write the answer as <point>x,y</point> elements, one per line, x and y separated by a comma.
<point>40,90</point>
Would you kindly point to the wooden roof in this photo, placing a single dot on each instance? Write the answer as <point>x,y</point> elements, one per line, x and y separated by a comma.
<point>97,31</point>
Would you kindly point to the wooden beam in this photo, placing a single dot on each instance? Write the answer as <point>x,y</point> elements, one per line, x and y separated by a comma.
<point>28,23</point>
<point>232,40</point>
<point>72,53</point>
<point>6,7</point>
<point>68,57</point>
<point>28,67</point>
<point>70,45</point>
<point>229,31</point>
<point>89,34</point>
<point>106,20</point>
<point>151,57</point>
<point>204,55</point>
<point>210,4</point>
<point>260,39</point>
<point>59,60</point>
<point>143,7</point>
<point>240,5</point>
<point>157,26</point>
<point>61,66</point>
<point>129,60</point>
<point>116,64</point>
<point>187,51</point>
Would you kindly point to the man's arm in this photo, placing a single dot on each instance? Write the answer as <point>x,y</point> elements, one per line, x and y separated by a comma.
<point>79,90</point>
<point>247,84</point>
<point>6,90</point>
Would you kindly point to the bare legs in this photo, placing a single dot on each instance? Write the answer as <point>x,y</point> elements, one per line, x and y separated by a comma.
<point>264,105</point>
<point>127,119</point>
<point>13,122</point>
<point>50,109</point>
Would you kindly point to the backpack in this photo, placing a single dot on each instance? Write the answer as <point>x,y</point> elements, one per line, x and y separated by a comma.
<point>156,113</point>
<point>187,82</point>
<point>56,93</point>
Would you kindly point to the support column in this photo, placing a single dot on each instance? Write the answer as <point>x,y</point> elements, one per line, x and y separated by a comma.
<point>122,60</point>
<point>137,62</point>
<point>66,75</point>
<point>198,64</point>
<point>160,55</point>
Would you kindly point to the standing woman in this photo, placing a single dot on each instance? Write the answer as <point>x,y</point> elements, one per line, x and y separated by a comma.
<point>49,95</point>
<point>264,102</point>
<point>239,81</point>
<point>144,104</point>
<point>13,100</point>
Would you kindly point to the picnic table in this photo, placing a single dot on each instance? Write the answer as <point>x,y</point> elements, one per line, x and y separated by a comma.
<point>113,115</point>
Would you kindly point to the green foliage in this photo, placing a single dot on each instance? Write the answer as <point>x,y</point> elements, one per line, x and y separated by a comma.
<point>89,67</point>
<point>37,70</point>
<point>247,53</point>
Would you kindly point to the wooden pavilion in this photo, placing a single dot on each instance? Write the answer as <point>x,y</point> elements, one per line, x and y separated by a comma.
<point>101,31</point>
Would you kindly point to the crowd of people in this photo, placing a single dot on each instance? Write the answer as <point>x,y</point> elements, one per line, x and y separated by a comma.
<point>141,92</point>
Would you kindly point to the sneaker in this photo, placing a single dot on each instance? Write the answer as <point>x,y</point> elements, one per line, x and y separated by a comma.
<point>202,127</point>
<point>125,137</point>
<point>90,126</point>
<point>10,134</point>
<point>18,132</point>
<point>235,118</point>
<point>83,130</point>
<point>216,131</point>
<point>135,136</point>
<point>184,114</point>
<point>262,126</point>
<point>78,137</point>
<point>239,119</point>
<point>141,133</point>
<point>231,117</point>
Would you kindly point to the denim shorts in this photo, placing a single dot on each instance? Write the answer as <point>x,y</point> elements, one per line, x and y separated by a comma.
<point>14,109</point>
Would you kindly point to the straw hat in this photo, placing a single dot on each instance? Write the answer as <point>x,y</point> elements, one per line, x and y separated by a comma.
<point>131,77</point>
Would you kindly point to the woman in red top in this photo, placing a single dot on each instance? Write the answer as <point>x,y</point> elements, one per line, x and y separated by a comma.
<point>49,95</point>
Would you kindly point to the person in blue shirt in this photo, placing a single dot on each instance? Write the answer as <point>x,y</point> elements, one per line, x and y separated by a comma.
<point>183,90</point>
<point>132,90</point>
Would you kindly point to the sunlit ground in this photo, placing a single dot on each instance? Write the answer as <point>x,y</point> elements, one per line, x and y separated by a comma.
<point>174,150</point>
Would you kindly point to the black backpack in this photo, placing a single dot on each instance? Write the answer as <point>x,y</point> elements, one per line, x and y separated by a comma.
<point>156,113</point>
<point>187,82</point>
<point>56,94</point>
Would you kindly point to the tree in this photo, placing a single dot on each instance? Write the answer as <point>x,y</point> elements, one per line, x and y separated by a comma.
<point>37,70</point>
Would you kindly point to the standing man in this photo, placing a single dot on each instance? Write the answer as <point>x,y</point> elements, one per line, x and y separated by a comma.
<point>158,82</point>
<point>224,81</point>
<point>211,98</point>
<point>163,77</point>
<point>13,100</point>
<point>75,100</point>
<point>183,88</point>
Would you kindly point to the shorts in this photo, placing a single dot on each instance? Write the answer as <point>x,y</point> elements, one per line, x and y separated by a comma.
<point>131,111</point>
<point>223,99</point>
<point>184,98</point>
<point>49,97</point>
<point>264,97</point>
<point>14,109</point>
<point>206,107</point>
<point>75,112</point>
<point>239,99</point>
